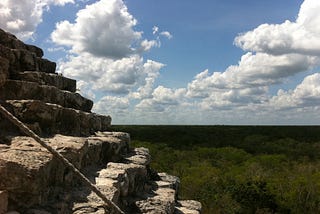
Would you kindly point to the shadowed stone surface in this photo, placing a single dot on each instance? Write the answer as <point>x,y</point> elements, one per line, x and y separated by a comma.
<point>41,78</point>
<point>22,90</point>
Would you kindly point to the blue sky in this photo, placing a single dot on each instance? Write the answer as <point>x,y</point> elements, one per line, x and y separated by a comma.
<point>182,62</point>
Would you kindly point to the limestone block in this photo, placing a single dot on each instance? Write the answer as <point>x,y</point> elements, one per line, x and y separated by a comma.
<point>35,49</point>
<point>45,65</point>
<point>188,207</point>
<point>22,90</point>
<point>161,202</point>
<point>173,180</point>
<point>55,119</point>
<point>26,60</point>
<point>139,156</point>
<point>42,78</point>
<point>32,175</point>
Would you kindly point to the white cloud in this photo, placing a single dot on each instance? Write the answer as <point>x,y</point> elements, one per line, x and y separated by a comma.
<point>146,45</point>
<point>151,69</point>
<point>106,55</point>
<point>103,29</point>
<point>253,70</point>
<point>301,36</point>
<point>162,99</point>
<point>111,104</point>
<point>155,30</point>
<point>21,17</point>
<point>306,94</point>
<point>112,76</point>
<point>279,52</point>
<point>166,34</point>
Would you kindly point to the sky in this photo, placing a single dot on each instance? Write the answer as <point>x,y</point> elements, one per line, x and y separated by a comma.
<point>183,62</point>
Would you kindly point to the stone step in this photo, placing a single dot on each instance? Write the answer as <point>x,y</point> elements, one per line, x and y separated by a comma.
<point>21,60</point>
<point>160,201</point>
<point>42,78</point>
<point>188,207</point>
<point>49,119</point>
<point>22,90</point>
<point>140,156</point>
<point>33,177</point>
<point>118,181</point>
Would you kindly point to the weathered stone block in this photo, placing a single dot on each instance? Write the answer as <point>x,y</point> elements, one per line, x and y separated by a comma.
<point>32,175</point>
<point>42,78</point>
<point>27,60</point>
<point>54,119</point>
<point>45,65</point>
<point>22,90</point>
<point>35,49</point>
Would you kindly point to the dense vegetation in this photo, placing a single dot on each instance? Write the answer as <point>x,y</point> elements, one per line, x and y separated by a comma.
<point>239,169</point>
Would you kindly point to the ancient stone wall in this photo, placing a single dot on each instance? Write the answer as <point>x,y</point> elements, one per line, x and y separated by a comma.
<point>32,181</point>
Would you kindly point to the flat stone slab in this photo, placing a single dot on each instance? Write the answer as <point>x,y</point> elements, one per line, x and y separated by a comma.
<point>42,78</point>
<point>188,207</point>
<point>50,119</point>
<point>22,90</point>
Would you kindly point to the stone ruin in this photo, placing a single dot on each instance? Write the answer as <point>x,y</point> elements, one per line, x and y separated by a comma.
<point>32,181</point>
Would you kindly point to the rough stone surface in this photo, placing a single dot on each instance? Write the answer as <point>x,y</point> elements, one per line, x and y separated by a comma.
<point>53,118</point>
<point>188,207</point>
<point>32,181</point>
<point>22,90</point>
<point>41,78</point>
<point>22,56</point>
<point>29,172</point>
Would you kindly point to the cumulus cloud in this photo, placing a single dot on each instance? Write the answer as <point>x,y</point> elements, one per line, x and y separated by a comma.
<point>276,52</point>
<point>106,55</point>
<point>253,70</point>
<point>21,17</point>
<point>151,69</point>
<point>306,94</point>
<point>300,36</point>
<point>162,98</point>
<point>112,76</point>
<point>103,29</point>
<point>112,104</point>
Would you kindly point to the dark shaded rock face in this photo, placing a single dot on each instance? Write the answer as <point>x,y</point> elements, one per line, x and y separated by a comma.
<point>33,181</point>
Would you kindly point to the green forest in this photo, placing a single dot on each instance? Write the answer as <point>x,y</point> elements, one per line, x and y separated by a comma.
<point>238,169</point>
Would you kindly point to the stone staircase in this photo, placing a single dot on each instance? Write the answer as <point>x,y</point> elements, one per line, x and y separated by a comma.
<point>32,181</point>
